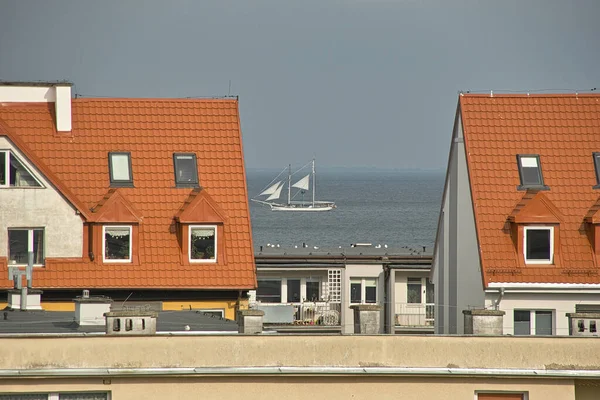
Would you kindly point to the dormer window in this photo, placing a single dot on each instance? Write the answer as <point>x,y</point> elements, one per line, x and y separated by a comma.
<point>530,172</point>
<point>119,165</point>
<point>117,244</point>
<point>203,243</point>
<point>596,157</point>
<point>538,244</point>
<point>13,173</point>
<point>186,170</point>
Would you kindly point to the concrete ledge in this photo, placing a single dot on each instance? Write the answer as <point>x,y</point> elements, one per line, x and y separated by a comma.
<point>496,313</point>
<point>367,307</point>
<point>251,313</point>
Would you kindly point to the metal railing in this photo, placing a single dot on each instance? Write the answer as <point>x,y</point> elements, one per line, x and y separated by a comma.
<point>414,314</point>
<point>303,313</point>
<point>317,313</point>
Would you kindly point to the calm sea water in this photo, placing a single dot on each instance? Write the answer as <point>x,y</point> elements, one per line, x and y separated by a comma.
<point>396,208</point>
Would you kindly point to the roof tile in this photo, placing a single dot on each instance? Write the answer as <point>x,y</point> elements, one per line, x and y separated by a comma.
<point>152,130</point>
<point>564,130</point>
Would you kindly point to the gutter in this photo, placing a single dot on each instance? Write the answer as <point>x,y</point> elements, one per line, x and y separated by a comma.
<point>525,285</point>
<point>367,371</point>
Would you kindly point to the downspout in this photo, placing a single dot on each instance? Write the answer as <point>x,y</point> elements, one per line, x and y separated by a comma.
<point>499,299</point>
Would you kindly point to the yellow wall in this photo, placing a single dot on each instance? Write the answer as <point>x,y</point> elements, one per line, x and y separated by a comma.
<point>301,388</point>
<point>243,351</point>
<point>228,306</point>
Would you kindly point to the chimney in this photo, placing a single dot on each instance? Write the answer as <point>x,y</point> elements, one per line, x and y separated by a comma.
<point>58,93</point>
<point>89,310</point>
<point>63,107</point>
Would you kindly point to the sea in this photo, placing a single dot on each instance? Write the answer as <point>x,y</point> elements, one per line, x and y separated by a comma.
<point>396,208</point>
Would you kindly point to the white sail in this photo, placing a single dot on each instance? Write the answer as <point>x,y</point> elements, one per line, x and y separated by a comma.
<point>302,183</point>
<point>275,194</point>
<point>271,189</point>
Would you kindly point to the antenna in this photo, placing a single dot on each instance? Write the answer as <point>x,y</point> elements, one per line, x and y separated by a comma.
<point>130,294</point>
<point>229,91</point>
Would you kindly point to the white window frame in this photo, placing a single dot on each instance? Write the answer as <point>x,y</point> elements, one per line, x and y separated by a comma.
<point>113,261</point>
<point>29,243</point>
<point>538,227</point>
<point>213,310</point>
<point>282,288</point>
<point>532,320</point>
<point>111,170</point>
<point>363,289</point>
<point>203,261</point>
<point>7,153</point>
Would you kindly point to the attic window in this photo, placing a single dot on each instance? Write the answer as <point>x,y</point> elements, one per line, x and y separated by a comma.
<point>538,246</point>
<point>530,172</point>
<point>119,165</point>
<point>186,170</point>
<point>596,156</point>
<point>13,173</point>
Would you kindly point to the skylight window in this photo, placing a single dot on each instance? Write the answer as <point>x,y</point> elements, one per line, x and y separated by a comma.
<point>530,172</point>
<point>596,156</point>
<point>119,165</point>
<point>186,170</point>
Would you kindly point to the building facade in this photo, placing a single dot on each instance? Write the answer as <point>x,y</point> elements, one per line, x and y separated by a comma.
<point>518,227</point>
<point>140,200</point>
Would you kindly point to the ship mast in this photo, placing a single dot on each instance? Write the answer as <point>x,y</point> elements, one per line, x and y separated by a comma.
<point>289,184</point>
<point>313,182</point>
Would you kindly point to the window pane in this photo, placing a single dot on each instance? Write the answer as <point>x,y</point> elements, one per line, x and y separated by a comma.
<point>202,246</point>
<point>413,288</point>
<point>543,322</point>
<point>2,168</point>
<point>185,169</point>
<point>293,290</point>
<point>269,291</point>
<point>538,244</point>
<point>117,243</point>
<point>355,295</point>
<point>38,246</point>
<point>430,292</point>
<point>531,176</point>
<point>312,291</point>
<point>119,167</point>
<point>522,322</point>
<point>17,246</point>
<point>19,176</point>
<point>597,166</point>
<point>23,396</point>
<point>371,294</point>
<point>82,396</point>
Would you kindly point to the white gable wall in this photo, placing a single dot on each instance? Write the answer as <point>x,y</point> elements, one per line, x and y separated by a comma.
<point>40,208</point>
<point>456,269</point>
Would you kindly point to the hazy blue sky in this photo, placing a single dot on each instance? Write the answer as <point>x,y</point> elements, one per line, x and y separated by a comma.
<point>354,82</point>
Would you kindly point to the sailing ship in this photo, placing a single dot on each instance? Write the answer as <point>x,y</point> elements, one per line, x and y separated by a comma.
<point>304,184</point>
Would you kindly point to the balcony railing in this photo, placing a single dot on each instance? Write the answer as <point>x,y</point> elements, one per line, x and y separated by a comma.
<point>305,313</point>
<point>414,314</point>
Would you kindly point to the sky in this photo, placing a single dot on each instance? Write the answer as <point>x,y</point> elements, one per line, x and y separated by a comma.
<point>354,83</point>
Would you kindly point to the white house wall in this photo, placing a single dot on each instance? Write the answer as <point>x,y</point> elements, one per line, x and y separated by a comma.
<point>284,275</point>
<point>559,303</point>
<point>360,271</point>
<point>457,269</point>
<point>400,288</point>
<point>40,208</point>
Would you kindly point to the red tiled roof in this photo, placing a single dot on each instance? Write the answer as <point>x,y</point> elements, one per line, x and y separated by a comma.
<point>564,130</point>
<point>152,130</point>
